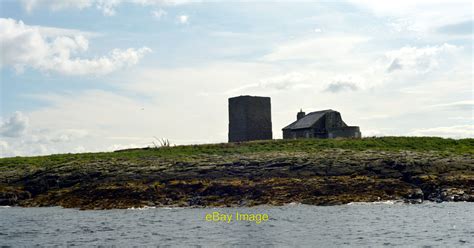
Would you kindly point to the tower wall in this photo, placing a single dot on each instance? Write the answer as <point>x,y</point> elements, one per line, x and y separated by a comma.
<point>249,118</point>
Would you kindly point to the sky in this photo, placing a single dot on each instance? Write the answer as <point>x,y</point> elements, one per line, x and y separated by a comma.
<point>98,75</point>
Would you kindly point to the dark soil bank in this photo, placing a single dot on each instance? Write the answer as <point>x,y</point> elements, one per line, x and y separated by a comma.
<point>232,177</point>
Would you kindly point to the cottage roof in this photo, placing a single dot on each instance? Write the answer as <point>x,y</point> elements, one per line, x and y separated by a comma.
<point>308,120</point>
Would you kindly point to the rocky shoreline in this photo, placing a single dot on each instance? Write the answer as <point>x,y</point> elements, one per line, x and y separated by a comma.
<point>327,177</point>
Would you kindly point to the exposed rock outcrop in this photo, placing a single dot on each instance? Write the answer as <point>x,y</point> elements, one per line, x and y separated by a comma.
<point>328,177</point>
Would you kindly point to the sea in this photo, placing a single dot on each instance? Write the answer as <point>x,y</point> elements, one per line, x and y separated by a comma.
<point>381,224</point>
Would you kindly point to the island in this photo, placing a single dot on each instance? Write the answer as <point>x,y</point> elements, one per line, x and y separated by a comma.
<point>270,172</point>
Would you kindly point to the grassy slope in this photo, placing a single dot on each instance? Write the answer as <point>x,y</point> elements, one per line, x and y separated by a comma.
<point>189,153</point>
<point>447,146</point>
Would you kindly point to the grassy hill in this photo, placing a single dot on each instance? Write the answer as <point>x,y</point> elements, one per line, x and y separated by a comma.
<point>312,171</point>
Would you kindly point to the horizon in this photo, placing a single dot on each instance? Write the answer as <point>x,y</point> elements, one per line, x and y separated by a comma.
<point>93,76</point>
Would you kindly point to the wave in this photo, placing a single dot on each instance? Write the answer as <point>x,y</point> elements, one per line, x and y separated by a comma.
<point>388,202</point>
<point>141,208</point>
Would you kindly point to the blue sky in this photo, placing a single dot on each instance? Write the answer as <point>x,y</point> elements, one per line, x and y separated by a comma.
<point>92,75</point>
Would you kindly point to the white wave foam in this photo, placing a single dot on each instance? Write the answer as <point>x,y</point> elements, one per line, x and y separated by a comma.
<point>388,202</point>
<point>141,208</point>
<point>293,204</point>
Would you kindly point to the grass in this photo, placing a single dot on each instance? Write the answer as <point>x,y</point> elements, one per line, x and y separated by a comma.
<point>447,146</point>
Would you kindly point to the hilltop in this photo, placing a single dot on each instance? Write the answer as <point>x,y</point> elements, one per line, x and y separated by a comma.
<point>310,171</point>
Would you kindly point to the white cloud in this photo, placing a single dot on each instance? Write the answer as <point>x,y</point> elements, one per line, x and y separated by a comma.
<point>292,80</point>
<point>312,80</point>
<point>375,117</point>
<point>45,141</point>
<point>3,148</point>
<point>58,136</point>
<point>27,46</point>
<point>15,126</point>
<point>158,14</point>
<point>459,105</point>
<point>421,60</point>
<point>327,48</point>
<point>183,19</point>
<point>372,133</point>
<point>107,7</point>
<point>56,5</point>
<point>282,82</point>
<point>21,136</point>
<point>421,15</point>
<point>165,2</point>
<point>116,147</point>
<point>116,60</point>
<point>458,131</point>
<point>97,125</point>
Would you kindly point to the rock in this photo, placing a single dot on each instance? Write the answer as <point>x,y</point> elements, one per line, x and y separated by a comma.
<point>326,177</point>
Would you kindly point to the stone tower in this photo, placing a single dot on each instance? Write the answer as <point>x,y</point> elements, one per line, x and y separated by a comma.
<point>249,118</point>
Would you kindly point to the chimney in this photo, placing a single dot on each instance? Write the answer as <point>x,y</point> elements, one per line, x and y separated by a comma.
<point>300,114</point>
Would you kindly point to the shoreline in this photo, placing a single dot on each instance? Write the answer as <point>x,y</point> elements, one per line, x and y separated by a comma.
<point>263,206</point>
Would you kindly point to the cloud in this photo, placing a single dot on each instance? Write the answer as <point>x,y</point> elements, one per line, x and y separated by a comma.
<point>326,48</point>
<point>15,126</point>
<point>464,27</point>
<point>467,105</point>
<point>283,82</point>
<point>342,83</point>
<point>183,19</point>
<point>42,141</point>
<point>97,125</point>
<point>56,5</point>
<point>20,137</point>
<point>3,148</point>
<point>292,80</point>
<point>107,7</point>
<point>309,80</point>
<point>373,132</point>
<point>418,16</point>
<point>58,136</point>
<point>318,30</point>
<point>395,65</point>
<point>420,60</point>
<point>339,86</point>
<point>158,14</point>
<point>27,46</point>
<point>375,117</point>
<point>458,131</point>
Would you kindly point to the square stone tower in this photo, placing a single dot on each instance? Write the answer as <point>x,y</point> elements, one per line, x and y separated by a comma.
<point>250,118</point>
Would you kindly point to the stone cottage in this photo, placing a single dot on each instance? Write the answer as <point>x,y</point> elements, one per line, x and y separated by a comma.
<point>320,124</point>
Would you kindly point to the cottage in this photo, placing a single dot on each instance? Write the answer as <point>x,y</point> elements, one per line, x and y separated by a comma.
<point>320,124</point>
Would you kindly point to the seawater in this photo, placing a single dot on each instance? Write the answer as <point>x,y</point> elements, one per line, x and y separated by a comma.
<point>352,225</point>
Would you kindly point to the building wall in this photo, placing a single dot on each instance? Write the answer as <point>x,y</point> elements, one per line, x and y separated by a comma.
<point>333,120</point>
<point>304,133</point>
<point>297,134</point>
<point>339,132</point>
<point>249,118</point>
<point>344,132</point>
